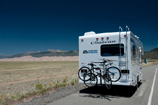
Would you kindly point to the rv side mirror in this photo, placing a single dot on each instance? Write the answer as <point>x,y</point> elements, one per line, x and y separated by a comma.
<point>145,60</point>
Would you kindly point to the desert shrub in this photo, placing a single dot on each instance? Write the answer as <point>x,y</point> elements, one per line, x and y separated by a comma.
<point>62,84</point>
<point>50,84</point>
<point>74,81</point>
<point>43,91</point>
<point>39,87</point>
<point>58,81</point>
<point>23,96</point>
<point>65,80</point>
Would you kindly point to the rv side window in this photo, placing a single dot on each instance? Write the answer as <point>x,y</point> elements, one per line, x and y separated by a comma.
<point>112,50</point>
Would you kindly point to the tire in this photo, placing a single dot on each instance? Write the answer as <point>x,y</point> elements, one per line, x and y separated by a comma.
<point>92,81</point>
<point>107,81</point>
<point>136,87</point>
<point>114,73</point>
<point>82,73</point>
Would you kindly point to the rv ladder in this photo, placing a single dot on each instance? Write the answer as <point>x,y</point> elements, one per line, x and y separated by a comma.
<point>126,49</point>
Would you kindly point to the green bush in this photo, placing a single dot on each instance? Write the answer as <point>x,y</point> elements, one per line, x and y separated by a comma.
<point>39,87</point>
<point>43,91</point>
<point>65,80</point>
<point>74,81</point>
<point>63,84</point>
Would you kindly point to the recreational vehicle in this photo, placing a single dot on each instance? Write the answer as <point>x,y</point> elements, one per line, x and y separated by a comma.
<point>124,48</point>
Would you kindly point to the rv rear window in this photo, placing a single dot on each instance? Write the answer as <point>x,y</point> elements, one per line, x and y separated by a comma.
<point>112,50</point>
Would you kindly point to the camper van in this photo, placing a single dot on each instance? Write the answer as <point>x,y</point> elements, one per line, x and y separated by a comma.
<point>124,48</point>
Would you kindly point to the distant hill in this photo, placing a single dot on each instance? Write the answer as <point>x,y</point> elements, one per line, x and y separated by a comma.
<point>1,56</point>
<point>153,54</point>
<point>49,52</point>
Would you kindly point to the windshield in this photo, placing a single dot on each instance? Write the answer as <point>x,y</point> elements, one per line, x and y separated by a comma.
<point>112,50</point>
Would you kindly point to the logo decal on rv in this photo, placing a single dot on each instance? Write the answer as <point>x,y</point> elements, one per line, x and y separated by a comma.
<point>102,42</point>
<point>85,52</point>
<point>90,51</point>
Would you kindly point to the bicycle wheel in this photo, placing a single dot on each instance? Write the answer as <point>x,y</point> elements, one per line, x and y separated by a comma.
<point>107,81</point>
<point>82,73</point>
<point>114,73</point>
<point>92,81</point>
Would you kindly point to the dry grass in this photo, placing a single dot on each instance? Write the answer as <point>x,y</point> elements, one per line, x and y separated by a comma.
<point>19,80</point>
<point>150,62</point>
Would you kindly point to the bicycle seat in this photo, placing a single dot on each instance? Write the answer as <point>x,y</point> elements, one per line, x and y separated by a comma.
<point>91,64</point>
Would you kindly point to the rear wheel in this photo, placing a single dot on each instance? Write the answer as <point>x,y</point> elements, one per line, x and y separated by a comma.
<point>114,73</point>
<point>92,81</point>
<point>137,83</point>
<point>82,73</point>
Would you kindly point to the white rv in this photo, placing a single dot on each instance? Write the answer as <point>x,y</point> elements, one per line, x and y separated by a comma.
<point>123,47</point>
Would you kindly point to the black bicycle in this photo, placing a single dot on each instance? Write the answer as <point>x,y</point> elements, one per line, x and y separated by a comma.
<point>105,77</point>
<point>113,71</point>
<point>108,75</point>
<point>91,76</point>
<point>88,75</point>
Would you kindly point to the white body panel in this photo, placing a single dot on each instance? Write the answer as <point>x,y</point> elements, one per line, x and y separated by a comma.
<point>90,51</point>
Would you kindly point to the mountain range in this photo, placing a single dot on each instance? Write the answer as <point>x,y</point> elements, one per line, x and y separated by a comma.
<point>153,54</point>
<point>49,52</point>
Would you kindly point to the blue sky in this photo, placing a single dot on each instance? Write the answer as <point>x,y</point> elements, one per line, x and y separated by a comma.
<point>39,25</point>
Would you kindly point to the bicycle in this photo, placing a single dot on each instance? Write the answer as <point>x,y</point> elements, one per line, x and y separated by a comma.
<point>107,79</point>
<point>90,79</point>
<point>87,75</point>
<point>113,71</point>
<point>109,74</point>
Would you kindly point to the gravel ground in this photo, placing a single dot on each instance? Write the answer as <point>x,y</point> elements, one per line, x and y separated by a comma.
<point>60,93</point>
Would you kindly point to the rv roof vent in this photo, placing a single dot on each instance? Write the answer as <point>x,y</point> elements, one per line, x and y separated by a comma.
<point>89,33</point>
<point>136,36</point>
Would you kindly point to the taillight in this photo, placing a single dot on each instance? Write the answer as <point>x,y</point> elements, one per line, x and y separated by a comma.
<point>125,71</point>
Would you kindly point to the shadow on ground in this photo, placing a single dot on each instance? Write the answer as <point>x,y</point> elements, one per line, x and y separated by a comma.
<point>114,92</point>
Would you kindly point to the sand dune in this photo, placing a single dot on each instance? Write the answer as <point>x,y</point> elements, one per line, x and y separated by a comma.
<point>45,58</point>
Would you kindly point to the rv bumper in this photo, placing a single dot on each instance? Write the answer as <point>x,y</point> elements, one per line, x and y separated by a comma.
<point>122,83</point>
<point>115,83</point>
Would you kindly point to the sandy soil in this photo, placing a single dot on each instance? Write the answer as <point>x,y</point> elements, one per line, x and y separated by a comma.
<point>45,58</point>
<point>27,80</point>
